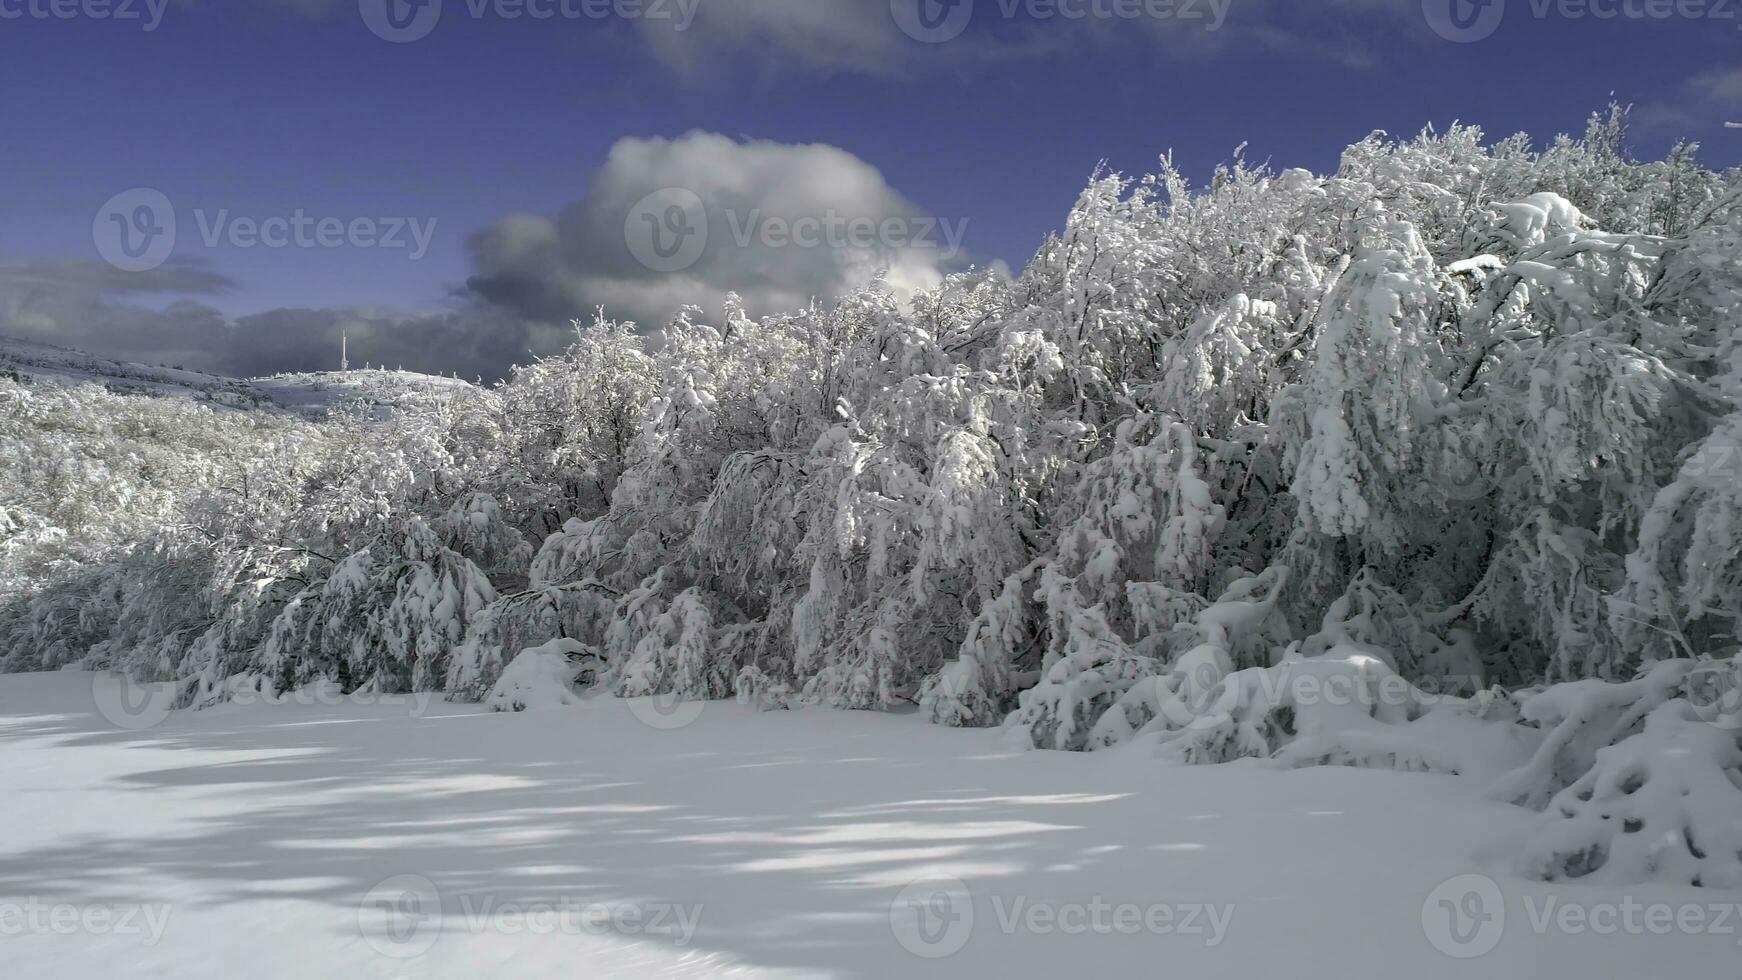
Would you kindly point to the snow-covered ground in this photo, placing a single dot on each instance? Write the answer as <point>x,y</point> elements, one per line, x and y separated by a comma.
<point>608,839</point>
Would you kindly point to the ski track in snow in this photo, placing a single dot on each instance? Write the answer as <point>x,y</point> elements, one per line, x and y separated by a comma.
<point>264,828</point>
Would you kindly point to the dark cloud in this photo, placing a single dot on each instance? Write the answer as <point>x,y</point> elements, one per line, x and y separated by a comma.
<point>88,305</point>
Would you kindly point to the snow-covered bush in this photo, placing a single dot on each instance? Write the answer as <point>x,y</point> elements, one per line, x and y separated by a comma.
<point>386,619</point>
<point>1343,708</point>
<point>543,677</point>
<point>1662,805</point>
<point>578,612</point>
<point>1580,719</point>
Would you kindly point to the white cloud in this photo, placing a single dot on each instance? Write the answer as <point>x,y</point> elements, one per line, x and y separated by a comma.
<point>784,224</point>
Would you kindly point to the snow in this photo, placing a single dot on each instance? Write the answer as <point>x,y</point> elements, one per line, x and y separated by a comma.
<point>259,830</point>
<point>539,679</point>
<point>64,366</point>
<point>310,394</point>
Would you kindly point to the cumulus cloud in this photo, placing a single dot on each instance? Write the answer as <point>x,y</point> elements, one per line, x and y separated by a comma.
<point>778,224</point>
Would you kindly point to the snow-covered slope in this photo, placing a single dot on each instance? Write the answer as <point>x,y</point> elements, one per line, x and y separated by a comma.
<point>45,362</point>
<point>314,393</point>
<point>311,394</point>
<point>425,839</point>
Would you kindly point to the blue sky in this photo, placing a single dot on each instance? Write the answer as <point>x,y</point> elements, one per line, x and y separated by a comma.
<point>263,107</point>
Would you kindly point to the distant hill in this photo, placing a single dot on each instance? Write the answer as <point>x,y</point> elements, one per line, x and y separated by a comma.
<point>310,394</point>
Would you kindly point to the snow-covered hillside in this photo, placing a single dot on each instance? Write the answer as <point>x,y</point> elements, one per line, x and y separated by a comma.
<point>60,365</point>
<point>311,394</point>
<point>314,394</point>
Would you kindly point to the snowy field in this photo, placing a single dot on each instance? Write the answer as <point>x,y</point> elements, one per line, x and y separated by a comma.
<point>428,839</point>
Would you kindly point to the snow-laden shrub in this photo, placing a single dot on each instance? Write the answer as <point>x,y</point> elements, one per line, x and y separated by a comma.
<point>1580,719</point>
<point>1165,702</point>
<point>1344,708</point>
<point>476,527</point>
<point>1104,692</point>
<point>580,611</point>
<point>976,689</point>
<point>1375,618</point>
<point>1684,579</point>
<point>1521,225</point>
<point>1062,710</point>
<point>1663,805</point>
<point>673,647</point>
<point>543,677</point>
<point>385,619</point>
<point>764,693</point>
